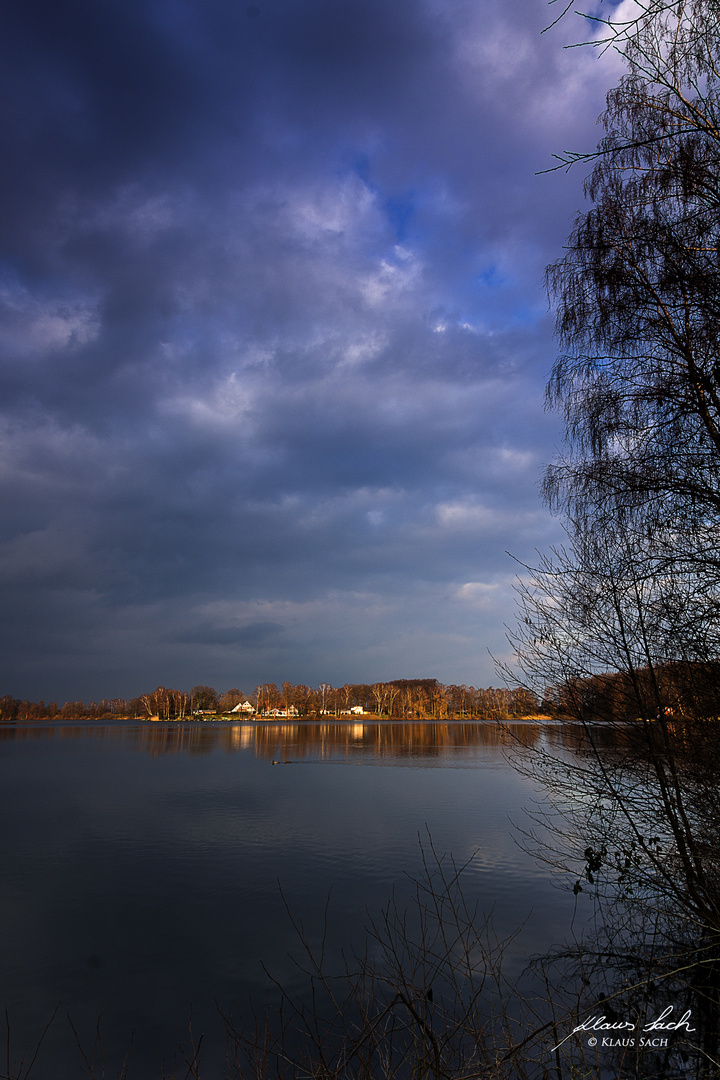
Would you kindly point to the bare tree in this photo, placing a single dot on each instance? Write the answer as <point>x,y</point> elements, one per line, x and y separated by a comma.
<point>629,648</point>
<point>670,49</point>
<point>324,689</point>
<point>623,623</point>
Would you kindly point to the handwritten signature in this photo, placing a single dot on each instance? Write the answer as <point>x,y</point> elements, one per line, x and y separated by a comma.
<point>662,1023</point>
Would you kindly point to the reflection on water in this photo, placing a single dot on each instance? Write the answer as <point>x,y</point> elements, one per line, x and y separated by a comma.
<point>142,863</point>
<point>284,741</point>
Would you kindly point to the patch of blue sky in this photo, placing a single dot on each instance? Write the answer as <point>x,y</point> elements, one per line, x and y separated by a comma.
<point>400,211</point>
<point>496,309</point>
<point>491,278</point>
<point>506,312</point>
<point>484,297</point>
<point>360,165</point>
<point>599,12</point>
<point>527,316</point>
<point>495,300</point>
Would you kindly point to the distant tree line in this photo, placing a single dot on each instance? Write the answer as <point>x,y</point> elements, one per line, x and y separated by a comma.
<point>399,699</point>
<point>681,691</point>
<point>675,690</point>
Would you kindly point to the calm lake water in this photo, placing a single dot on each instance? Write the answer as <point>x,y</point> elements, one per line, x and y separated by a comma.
<point>142,865</point>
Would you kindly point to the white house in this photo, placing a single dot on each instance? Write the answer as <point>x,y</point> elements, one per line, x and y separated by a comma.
<point>245,708</point>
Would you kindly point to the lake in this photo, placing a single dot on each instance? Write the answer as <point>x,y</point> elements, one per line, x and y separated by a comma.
<point>146,866</point>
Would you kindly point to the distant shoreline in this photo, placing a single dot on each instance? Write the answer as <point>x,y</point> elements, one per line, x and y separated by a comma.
<point>365,718</point>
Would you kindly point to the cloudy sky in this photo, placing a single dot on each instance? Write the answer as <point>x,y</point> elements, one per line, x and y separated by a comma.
<point>273,336</point>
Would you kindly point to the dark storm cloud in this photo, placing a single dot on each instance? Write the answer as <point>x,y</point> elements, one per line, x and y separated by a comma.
<point>273,336</point>
<point>254,635</point>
